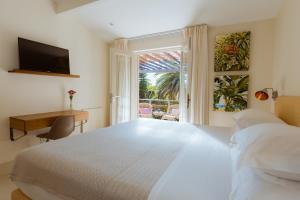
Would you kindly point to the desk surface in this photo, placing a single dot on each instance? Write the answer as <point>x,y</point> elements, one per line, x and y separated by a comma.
<point>48,115</point>
<point>32,122</point>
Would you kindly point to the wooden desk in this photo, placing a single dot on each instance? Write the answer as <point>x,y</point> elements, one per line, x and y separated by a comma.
<point>32,122</point>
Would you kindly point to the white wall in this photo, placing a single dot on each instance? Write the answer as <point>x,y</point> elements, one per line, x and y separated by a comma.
<point>261,65</point>
<point>156,42</point>
<point>261,58</point>
<point>24,94</point>
<point>287,49</point>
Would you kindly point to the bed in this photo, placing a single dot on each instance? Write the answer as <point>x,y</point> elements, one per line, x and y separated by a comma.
<point>251,183</point>
<point>149,159</point>
<point>142,159</point>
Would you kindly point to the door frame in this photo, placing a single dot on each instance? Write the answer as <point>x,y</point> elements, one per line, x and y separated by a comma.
<point>182,106</point>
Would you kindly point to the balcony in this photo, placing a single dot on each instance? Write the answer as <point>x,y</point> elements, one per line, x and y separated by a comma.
<point>159,80</point>
<point>159,109</point>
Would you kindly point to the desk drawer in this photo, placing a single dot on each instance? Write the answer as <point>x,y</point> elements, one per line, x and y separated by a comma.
<point>17,124</point>
<point>39,123</point>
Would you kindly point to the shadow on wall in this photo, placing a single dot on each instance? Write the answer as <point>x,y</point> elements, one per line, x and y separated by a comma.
<point>8,61</point>
<point>9,56</point>
<point>4,128</point>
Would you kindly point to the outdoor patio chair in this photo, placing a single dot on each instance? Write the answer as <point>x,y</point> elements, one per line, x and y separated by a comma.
<point>172,113</point>
<point>145,110</point>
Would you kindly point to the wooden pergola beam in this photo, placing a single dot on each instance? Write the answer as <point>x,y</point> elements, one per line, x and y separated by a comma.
<point>160,62</point>
<point>145,67</point>
<point>173,57</point>
<point>168,61</point>
<point>151,63</point>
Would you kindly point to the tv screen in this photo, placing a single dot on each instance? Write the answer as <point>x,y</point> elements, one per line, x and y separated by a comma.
<point>40,57</point>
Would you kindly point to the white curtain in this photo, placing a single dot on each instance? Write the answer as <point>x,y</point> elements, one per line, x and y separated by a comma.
<point>196,60</point>
<point>121,44</point>
<point>134,85</point>
<point>121,77</point>
<point>123,88</point>
<point>124,78</point>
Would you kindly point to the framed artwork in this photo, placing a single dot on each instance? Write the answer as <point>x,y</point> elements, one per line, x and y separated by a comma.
<point>232,52</point>
<point>231,93</point>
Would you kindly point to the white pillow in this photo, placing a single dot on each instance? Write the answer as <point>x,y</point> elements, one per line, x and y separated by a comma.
<point>272,148</point>
<point>252,117</point>
<point>280,156</point>
<point>242,141</point>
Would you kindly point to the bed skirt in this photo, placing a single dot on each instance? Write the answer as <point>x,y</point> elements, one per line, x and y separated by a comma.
<point>19,195</point>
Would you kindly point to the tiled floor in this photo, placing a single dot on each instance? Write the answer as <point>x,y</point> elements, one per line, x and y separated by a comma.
<point>6,187</point>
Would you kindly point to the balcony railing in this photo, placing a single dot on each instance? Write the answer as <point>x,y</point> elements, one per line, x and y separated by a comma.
<point>159,101</point>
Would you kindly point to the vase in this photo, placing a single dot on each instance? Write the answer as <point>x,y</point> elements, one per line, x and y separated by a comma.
<point>71,103</point>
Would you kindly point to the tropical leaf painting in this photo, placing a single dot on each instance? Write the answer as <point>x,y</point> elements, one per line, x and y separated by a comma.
<point>232,52</point>
<point>231,93</point>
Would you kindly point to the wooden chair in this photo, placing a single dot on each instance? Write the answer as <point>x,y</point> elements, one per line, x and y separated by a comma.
<point>62,127</point>
<point>172,113</point>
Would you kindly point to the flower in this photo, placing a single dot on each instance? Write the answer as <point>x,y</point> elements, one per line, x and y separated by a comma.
<point>71,92</point>
<point>71,95</point>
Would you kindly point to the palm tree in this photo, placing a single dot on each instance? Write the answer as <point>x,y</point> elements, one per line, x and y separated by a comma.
<point>143,85</point>
<point>168,85</point>
<point>234,90</point>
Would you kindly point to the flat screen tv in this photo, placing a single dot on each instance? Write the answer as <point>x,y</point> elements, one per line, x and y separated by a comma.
<point>35,56</point>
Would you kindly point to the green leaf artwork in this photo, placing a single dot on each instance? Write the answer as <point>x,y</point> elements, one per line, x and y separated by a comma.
<point>231,93</point>
<point>232,52</point>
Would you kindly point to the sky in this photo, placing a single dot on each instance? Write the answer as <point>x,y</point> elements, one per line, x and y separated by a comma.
<point>152,78</point>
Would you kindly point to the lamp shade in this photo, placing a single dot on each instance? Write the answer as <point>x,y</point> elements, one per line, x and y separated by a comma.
<point>261,95</point>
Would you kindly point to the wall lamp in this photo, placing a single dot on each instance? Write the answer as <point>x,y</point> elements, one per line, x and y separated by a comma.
<point>263,94</point>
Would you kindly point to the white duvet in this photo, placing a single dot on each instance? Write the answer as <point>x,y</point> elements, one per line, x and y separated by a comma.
<point>122,162</point>
<point>144,159</point>
<point>202,171</point>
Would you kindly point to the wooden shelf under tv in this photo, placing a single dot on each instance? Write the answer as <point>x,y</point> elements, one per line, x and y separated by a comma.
<point>20,71</point>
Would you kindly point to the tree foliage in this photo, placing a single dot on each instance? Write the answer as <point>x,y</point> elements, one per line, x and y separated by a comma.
<point>143,86</point>
<point>168,85</point>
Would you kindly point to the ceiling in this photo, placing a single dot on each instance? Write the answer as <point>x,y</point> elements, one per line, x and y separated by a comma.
<point>131,18</point>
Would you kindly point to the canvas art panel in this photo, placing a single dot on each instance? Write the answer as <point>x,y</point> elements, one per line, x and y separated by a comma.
<point>231,93</point>
<point>232,52</point>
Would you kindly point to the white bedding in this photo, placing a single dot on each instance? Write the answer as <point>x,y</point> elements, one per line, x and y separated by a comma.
<point>198,168</point>
<point>251,184</point>
<point>201,172</point>
<point>252,148</point>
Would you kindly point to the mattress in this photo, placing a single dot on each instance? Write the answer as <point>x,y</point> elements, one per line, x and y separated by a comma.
<point>185,162</point>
